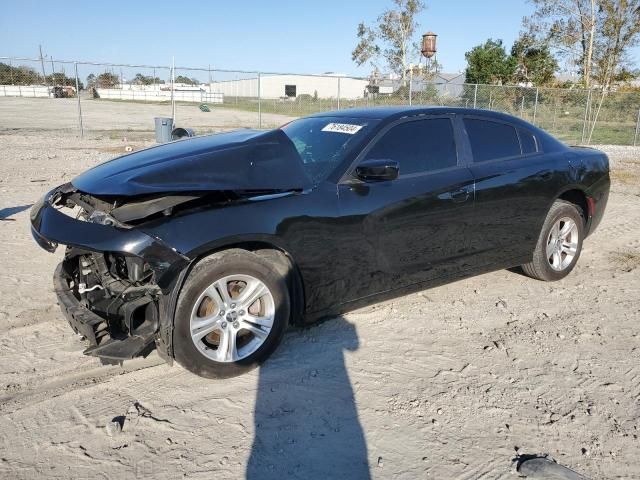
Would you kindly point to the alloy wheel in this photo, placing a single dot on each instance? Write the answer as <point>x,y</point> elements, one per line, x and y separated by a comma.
<point>562,243</point>
<point>232,318</point>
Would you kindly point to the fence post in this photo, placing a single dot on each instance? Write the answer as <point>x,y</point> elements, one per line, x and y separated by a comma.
<point>635,138</point>
<point>338,93</point>
<point>410,84</point>
<point>475,96</point>
<point>586,116</point>
<point>79,105</point>
<point>535,106</point>
<point>259,103</point>
<point>44,73</point>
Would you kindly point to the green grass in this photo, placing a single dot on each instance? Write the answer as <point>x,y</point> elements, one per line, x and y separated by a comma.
<point>616,124</point>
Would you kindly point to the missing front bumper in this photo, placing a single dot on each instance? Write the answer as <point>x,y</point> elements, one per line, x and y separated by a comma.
<point>83,321</point>
<point>97,330</point>
<point>125,323</point>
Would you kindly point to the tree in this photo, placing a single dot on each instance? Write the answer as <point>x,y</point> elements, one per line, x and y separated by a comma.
<point>625,76</point>
<point>596,35</point>
<point>534,62</point>
<point>20,75</point>
<point>186,80</point>
<point>141,79</point>
<point>392,37</point>
<point>489,63</point>
<point>91,80</point>
<point>618,32</point>
<point>107,80</point>
<point>60,79</point>
<point>569,26</point>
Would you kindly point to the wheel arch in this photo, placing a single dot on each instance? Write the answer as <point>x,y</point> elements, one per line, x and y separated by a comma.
<point>256,244</point>
<point>578,197</point>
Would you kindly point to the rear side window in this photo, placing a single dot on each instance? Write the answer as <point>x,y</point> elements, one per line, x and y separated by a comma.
<point>491,140</point>
<point>418,146</point>
<point>528,141</point>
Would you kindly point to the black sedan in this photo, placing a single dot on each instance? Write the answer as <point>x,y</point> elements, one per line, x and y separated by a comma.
<point>207,248</point>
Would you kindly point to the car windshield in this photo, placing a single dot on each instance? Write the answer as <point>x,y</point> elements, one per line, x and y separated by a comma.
<point>323,142</point>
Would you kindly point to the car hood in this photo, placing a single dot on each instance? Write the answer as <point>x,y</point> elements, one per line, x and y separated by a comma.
<point>240,160</point>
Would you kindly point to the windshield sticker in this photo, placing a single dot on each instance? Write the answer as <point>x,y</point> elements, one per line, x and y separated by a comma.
<point>342,128</point>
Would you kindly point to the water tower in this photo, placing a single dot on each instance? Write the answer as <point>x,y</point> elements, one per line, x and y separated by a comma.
<point>429,50</point>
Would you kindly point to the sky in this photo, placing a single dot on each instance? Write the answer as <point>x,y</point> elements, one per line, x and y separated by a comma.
<point>268,35</point>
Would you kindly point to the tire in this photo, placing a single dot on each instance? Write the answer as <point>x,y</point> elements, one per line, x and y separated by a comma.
<point>201,307</point>
<point>553,257</point>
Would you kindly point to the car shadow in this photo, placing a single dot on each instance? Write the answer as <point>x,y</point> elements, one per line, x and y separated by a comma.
<point>5,213</point>
<point>306,419</point>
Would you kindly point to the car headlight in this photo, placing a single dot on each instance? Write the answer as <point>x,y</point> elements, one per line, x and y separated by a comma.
<point>103,218</point>
<point>39,205</point>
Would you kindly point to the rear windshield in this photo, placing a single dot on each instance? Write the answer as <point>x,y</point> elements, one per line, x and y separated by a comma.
<point>324,142</point>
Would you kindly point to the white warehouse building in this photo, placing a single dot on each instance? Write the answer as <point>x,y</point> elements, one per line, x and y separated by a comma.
<point>290,86</point>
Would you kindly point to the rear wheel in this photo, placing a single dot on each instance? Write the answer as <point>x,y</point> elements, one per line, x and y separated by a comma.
<point>559,244</point>
<point>231,314</point>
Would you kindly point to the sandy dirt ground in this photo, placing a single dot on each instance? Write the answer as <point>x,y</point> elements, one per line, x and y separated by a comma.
<point>451,382</point>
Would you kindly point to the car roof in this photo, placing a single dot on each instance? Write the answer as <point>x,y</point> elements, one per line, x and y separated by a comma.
<point>392,112</point>
<point>389,114</point>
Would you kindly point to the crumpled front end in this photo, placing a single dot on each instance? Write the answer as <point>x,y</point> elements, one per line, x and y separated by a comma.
<point>116,283</point>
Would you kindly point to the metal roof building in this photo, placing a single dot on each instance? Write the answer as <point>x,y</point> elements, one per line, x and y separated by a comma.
<point>276,86</point>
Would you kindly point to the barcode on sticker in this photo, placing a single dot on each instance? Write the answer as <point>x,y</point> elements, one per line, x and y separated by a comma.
<point>342,128</point>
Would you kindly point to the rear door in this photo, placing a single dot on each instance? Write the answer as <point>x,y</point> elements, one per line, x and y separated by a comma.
<point>419,221</point>
<point>513,184</point>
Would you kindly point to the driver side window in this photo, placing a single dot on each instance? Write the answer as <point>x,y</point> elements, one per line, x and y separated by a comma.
<point>418,146</point>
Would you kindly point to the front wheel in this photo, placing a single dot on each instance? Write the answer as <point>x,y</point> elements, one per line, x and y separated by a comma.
<point>559,244</point>
<point>231,314</point>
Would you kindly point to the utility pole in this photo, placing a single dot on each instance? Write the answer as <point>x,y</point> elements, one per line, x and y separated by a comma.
<point>173,86</point>
<point>44,75</point>
<point>79,104</point>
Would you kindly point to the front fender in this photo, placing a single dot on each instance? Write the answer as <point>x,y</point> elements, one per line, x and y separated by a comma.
<point>50,227</point>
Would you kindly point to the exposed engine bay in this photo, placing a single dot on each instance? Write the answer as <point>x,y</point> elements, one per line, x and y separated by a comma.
<point>116,283</point>
<point>126,211</point>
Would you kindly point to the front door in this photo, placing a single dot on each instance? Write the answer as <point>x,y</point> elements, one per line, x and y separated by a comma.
<point>416,225</point>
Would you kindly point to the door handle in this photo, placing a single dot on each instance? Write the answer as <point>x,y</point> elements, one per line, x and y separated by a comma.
<point>460,196</point>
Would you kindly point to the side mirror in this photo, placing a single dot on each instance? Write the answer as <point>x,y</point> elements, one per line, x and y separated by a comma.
<point>373,170</point>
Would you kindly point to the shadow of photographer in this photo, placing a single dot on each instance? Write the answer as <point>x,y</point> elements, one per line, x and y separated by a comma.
<point>306,420</point>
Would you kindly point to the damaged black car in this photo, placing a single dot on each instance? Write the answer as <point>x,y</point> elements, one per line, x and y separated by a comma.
<point>208,248</point>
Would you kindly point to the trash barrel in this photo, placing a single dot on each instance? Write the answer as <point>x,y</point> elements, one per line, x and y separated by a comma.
<point>180,132</point>
<point>163,129</point>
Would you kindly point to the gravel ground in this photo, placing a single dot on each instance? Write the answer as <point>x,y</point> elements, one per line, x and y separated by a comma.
<point>451,382</point>
<point>101,116</point>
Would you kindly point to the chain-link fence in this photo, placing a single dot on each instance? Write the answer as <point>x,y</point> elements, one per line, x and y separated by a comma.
<point>105,98</point>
